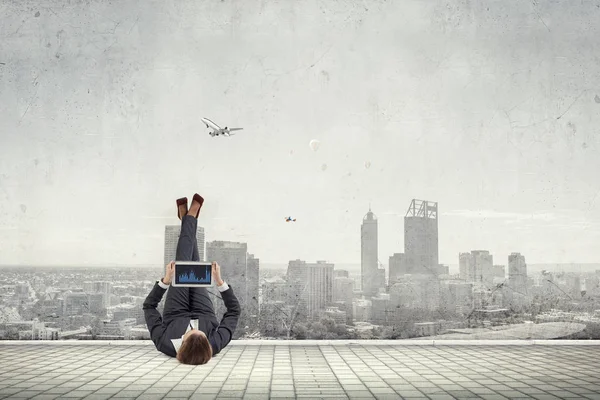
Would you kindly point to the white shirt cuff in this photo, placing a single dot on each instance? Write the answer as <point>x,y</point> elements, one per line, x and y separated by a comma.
<point>223,287</point>
<point>162,285</point>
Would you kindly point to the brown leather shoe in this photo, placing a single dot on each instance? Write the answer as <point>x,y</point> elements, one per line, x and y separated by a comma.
<point>180,202</point>
<point>198,199</point>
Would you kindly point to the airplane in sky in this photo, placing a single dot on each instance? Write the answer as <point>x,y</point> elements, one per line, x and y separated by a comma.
<point>217,130</point>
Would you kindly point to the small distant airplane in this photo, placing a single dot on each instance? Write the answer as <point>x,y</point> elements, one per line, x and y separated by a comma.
<point>217,130</point>
<point>289,219</point>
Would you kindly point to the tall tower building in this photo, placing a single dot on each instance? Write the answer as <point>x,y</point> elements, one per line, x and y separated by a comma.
<point>484,265</point>
<point>465,267</point>
<point>297,281</point>
<point>517,273</point>
<point>476,266</point>
<point>320,288</point>
<point>311,287</point>
<point>172,236</point>
<point>296,274</point>
<point>234,261</point>
<point>421,237</point>
<point>343,295</point>
<point>369,255</point>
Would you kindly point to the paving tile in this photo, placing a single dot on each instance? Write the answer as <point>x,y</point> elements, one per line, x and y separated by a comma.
<point>108,390</point>
<point>43,396</point>
<point>459,394</point>
<point>282,393</point>
<point>362,396</point>
<point>77,393</point>
<point>531,390</point>
<point>179,394</point>
<point>96,396</point>
<point>449,388</point>
<point>481,391</point>
<point>128,393</point>
<point>564,394</point>
<point>152,396</point>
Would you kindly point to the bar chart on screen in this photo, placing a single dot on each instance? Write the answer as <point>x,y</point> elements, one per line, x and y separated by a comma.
<point>191,277</point>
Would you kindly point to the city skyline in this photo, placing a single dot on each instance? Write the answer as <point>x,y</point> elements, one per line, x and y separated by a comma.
<point>486,109</point>
<point>171,233</point>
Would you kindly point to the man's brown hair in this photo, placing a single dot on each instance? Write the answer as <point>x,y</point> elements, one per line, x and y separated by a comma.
<point>195,350</point>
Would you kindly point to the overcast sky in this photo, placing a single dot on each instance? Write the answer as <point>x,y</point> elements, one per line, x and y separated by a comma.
<point>490,109</point>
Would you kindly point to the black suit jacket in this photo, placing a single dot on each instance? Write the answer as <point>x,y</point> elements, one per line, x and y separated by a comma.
<point>161,333</point>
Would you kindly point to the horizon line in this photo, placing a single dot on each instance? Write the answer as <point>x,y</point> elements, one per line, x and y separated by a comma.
<point>263,263</point>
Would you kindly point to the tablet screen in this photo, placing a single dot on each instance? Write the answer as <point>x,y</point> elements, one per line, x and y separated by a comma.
<point>190,274</point>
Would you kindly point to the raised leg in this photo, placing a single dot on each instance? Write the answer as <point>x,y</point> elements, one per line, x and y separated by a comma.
<point>195,253</point>
<point>187,239</point>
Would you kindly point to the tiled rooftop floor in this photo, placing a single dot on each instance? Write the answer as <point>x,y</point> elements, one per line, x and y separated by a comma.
<point>265,369</point>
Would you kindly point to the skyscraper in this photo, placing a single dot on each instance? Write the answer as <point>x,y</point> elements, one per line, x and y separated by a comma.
<point>465,266</point>
<point>484,265</point>
<point>310,287</point>
<point>297,280</point>
<point>234,261</point>
<point>343,294</point>
<point>517,273</point>
<point>171,238</point>
<point>320,288</point>
<point>477,266</point>
<point>421,237</point>
<point>368,250</point>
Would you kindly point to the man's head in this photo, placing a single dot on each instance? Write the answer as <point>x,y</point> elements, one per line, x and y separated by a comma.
<point>195,348</point>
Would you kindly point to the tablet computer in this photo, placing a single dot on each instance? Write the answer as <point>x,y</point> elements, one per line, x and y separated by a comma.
<point>192,274</point>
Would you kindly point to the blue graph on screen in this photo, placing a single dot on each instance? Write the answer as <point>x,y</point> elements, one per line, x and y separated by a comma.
<point>190,277</point>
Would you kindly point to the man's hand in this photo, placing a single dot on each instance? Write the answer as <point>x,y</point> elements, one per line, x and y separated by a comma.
<point>216,272</point>
<point>169,271</point>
